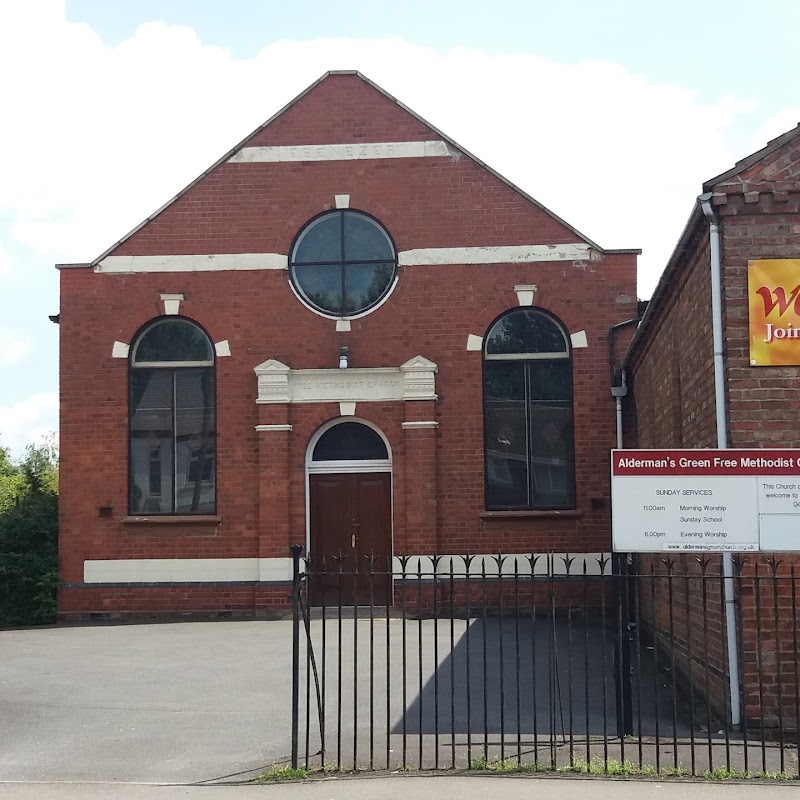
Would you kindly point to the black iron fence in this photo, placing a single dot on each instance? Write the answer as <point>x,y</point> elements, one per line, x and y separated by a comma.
<point>544,662</point>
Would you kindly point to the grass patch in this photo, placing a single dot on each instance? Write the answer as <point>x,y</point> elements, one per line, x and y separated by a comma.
<point>725,774</point>
<point>282,773</point>
<point>579,766</point>
<point>597,766</point>
<point>509,765</point>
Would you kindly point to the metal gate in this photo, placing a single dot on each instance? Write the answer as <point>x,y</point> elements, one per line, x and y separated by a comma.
<point>540,663</point>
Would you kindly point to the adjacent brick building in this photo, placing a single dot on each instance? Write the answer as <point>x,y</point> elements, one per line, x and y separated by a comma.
<point>670,368</point>
<point>348,333</point>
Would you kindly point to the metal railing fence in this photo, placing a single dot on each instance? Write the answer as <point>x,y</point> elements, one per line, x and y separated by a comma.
<point>542,661</point>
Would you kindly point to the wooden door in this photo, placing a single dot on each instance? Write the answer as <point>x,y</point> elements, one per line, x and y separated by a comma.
<point>351,538</point>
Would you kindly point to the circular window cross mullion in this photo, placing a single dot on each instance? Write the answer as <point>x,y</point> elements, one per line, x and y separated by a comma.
<point>366,263</point>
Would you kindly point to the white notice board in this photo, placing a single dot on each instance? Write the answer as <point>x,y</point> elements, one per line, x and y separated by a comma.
<point>705,500</point>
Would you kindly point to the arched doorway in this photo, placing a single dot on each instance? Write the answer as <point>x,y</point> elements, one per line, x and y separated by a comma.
<point>349,469</point>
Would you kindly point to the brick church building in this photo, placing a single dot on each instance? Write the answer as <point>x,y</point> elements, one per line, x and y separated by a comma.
<point>348,333</point>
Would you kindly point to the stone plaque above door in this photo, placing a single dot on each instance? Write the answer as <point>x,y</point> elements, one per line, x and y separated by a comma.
<point>279,383</point>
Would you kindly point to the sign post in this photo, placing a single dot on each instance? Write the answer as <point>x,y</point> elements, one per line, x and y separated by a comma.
<point>705,500</point>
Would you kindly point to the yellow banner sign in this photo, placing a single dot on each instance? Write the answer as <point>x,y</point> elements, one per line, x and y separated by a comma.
<point>773,291</point>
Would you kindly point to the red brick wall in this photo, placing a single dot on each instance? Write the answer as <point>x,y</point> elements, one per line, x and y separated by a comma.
<point>671,370</point>
<point>259,207</point>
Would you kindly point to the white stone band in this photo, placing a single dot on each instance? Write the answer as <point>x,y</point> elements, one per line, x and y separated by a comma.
<point>279,570</point>
<point>431,256</point>
<point>342,152</point>
<point>193,263</point>
<point>509,254</point>
<point>187,570</point>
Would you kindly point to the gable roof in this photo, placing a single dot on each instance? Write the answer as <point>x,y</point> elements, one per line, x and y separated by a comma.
<point>388,96</point>
<point>752,159</point>
<point>697,219</point>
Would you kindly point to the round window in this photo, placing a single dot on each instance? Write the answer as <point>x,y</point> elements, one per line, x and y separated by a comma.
<point>343,263</point>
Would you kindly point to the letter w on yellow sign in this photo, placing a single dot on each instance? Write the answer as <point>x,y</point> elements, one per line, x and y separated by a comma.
<point>773,291</point>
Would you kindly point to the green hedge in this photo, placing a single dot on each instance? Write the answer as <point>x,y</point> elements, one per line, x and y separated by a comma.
<point>28,538</point>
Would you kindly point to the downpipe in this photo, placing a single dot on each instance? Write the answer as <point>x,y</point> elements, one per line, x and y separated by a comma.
<point>722,444</point>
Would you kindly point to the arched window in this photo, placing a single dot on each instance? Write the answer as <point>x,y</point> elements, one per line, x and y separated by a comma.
<point>172,420</point>
<point>343,263</point>
<point>350,441</point>
<point>527,406</point>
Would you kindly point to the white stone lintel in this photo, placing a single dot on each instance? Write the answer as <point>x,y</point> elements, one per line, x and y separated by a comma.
<point>413,380</point>
<point>578,339</point>
<point>347,409</point>
<point>525,293</point>
<point>172,303</point>
<point>342,200</point>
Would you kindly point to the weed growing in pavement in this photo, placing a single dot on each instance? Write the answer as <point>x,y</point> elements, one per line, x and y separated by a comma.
<point>282,773</point>
<point>599,766</point>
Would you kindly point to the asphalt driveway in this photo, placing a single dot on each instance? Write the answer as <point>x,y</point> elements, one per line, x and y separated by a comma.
<point>182,702</point>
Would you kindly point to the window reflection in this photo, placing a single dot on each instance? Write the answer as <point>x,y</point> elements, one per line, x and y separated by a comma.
<point>172,430</point>
<point>343,263</point>
<point>527,389</point>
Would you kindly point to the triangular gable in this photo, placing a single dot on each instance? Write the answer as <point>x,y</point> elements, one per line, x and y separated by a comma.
<point>778,161</point>
<point>405,125</point>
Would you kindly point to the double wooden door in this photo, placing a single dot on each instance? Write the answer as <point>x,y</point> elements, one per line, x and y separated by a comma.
<point>350,538</point>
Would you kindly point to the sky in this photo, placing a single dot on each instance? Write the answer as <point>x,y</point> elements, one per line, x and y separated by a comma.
<point>610,113</point>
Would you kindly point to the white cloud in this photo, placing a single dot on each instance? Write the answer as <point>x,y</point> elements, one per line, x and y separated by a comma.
<point>104,135</point>
<point>5,261</point>
<point>776,124</point>
<point>15,346</point>
<point>28,421</point>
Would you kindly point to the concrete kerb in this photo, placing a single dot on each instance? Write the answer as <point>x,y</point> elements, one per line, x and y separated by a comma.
<point>466,786</point>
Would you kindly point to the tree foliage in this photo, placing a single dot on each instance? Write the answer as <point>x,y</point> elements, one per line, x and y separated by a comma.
<point>29,535</point>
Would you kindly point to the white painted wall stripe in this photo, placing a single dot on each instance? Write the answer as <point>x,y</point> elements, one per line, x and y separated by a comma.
<point>434,256</point>
<point>506,254</point>
<point>273,570</point>
<point>193,263</point>
<point>187,570</point>
<point>342,152</point>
